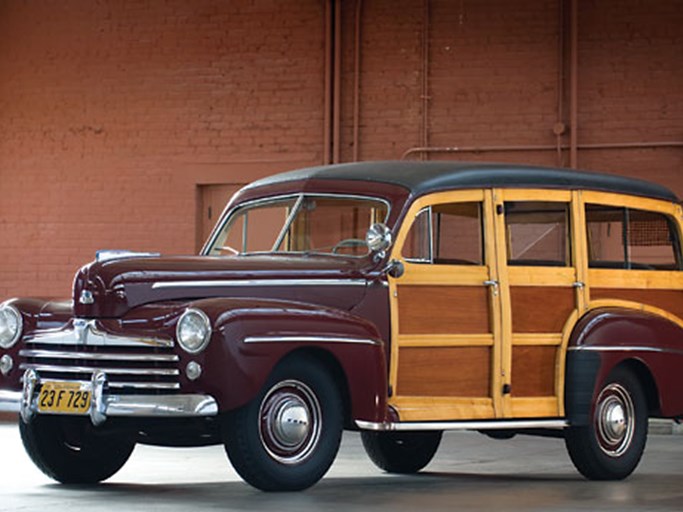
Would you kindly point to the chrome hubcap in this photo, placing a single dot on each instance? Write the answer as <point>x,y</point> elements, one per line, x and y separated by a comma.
<point>290,422</point>
<point>615,420</point>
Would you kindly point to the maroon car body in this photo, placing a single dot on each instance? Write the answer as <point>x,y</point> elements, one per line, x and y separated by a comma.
<point>273,347</point>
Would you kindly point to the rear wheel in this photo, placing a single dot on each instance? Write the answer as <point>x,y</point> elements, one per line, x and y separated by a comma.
<point>288,436</point>
<point>401,452</point>
<point>72,451</point>
<point>610,447</point>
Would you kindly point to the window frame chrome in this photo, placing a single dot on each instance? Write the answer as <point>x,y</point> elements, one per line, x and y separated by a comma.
<point>300,196</point>
<point>429,260</point>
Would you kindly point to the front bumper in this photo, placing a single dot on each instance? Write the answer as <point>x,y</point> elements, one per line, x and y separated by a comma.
<point>104,404</point>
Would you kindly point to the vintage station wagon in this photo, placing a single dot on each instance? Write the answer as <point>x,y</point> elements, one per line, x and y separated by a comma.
<point>400,299</point>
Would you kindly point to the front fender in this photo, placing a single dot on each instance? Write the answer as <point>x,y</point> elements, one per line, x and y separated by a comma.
<point>250,337</point>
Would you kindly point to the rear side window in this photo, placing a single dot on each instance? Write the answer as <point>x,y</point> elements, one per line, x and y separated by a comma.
<point>537,233</point>
<point>630,239</point>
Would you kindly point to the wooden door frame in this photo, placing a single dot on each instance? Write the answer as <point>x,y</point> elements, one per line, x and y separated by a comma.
<point>436,407</point>
<point>572,276</point>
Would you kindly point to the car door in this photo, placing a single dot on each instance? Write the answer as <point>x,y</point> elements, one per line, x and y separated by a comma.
<point>446,354</point>
<point>541,294</point>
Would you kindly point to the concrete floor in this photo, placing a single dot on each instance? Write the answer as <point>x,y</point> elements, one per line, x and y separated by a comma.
<point>470,472</point>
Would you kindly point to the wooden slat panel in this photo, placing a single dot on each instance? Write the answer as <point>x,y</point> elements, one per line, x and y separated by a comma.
<point>536,407</point>
<point>668,300</point>
<point>445,340</point>
<point>461,371</point>
<point>537,339</point>
<point>443,309</point>
<point>541,308</point>
<point>442,408</point>
<point>533,370</point>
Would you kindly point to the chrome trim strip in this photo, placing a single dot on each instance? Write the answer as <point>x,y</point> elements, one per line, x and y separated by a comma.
<point>159,386</point>
<point>86,333</point>
<point>259,282</point>
<point>631,348</point>
<point>98,406</point>
<point>116,254</point>
<point>161,406</point>
<point>144,385</point>
<point>310,339</point>
<point>462,425</point>
<point>10,401</point>
<point>83,356</point>
<point>29,381</point>
<point>90,369</point>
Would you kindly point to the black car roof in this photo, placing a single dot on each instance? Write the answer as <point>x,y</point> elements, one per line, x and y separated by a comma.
<point>424,177</point>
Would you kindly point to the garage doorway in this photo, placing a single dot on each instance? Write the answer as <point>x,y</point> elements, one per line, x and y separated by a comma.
<point>211,200</point>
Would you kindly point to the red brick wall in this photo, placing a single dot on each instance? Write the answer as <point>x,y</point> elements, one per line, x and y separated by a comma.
<point>631,84</point>
<point>112,114</point>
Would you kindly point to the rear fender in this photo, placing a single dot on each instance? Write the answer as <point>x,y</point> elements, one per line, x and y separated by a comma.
<point>608,337</point>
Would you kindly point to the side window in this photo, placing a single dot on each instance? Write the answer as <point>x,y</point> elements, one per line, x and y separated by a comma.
<point>537,233</point>
<point>630,239</point>
<point>447,234</point>
<point>255,229</point>
<point>417,247</point>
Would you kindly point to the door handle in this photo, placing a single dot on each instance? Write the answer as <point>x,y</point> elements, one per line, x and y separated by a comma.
<point>493,284</point>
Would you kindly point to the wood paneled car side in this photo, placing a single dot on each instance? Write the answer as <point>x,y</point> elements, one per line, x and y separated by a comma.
<point>400,299</point>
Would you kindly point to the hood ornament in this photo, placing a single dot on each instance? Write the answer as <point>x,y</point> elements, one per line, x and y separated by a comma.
<point>115,254</point>
<point>86,297</point>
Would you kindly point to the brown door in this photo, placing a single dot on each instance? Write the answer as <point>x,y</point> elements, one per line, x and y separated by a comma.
<point>211,202</point>
<point>446,330</point>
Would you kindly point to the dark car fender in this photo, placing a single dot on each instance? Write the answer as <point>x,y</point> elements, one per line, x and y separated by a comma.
<point>251,336</point>
<point>650,344</point>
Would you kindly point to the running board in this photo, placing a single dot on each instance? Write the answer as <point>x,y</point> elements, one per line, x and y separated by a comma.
<point>463,425</point>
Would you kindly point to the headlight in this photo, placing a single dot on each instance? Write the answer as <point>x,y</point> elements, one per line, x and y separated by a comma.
<point>10,326</point>
<point>193,331</point>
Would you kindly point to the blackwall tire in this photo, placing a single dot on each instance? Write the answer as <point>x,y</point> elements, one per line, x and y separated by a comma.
<point>288,436</point>
<point>611,446</point>
<point>71,451</point>
<point>401,452</point>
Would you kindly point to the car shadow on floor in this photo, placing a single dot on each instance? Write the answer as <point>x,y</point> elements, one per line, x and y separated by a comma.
<point>427,490</point>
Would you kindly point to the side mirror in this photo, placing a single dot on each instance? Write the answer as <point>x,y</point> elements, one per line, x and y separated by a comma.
<point>378,238</point>
<point>395,269</point>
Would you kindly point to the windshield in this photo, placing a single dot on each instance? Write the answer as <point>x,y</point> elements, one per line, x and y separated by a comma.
<point>303,223</point>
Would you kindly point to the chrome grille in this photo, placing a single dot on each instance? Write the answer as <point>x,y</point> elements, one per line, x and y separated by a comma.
<point>128,369</point>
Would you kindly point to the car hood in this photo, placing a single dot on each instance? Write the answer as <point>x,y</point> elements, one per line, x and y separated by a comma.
<point>113,287</point>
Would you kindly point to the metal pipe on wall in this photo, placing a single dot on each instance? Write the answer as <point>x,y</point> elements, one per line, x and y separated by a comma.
<point>574,86</point>
<point>336,92</point>
<point>356,81</point>
<point>327,87</point>
<point>559,127</point>
<point>540,147</point>
<point>332,86</point>
<point>425,73</point>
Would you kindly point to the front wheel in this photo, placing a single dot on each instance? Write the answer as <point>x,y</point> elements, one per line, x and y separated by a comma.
<point>72,451</point>
<point>401,452</point>
<point>610,447</point>
<point>288,436</point>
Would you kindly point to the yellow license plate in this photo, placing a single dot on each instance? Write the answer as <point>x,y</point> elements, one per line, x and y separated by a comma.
<point>64,397</point>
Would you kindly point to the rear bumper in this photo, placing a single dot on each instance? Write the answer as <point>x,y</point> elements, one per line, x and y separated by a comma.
<point>104,404</point>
